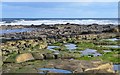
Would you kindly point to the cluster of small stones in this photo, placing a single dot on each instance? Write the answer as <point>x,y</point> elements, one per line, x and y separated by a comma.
<point>20,46</point>
<point>35,48</point>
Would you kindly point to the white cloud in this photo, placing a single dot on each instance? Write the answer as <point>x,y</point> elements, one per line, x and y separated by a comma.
<point>60,0</point>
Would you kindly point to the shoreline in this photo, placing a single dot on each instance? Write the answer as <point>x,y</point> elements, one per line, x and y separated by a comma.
<point>20,48</point>
<point>59,30</point>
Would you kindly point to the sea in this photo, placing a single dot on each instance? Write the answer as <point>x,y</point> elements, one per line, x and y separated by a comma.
<point>52,21</point>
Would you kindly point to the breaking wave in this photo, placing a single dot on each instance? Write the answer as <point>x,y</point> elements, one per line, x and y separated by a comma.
<point>52,22</point>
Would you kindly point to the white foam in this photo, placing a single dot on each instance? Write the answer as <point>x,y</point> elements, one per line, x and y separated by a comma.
<point>2,23</point>
<point>48,22</point>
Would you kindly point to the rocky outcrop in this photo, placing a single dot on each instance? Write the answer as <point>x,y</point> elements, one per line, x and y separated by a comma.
<point>24,57</point>
<point>75,66</point>
<point>81,66</point>
<point>21,46</point>
<point>63,31</point>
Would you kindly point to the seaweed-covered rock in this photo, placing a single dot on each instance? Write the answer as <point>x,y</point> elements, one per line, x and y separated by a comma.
<point>66,55</point>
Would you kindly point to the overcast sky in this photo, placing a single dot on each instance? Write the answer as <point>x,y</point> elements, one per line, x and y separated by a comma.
<point>60,9</point>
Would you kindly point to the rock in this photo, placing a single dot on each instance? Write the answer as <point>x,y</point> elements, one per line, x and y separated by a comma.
<point>116,29</point>
<point>66,56</point>
<point>5,53</point>
<point>1,62</point>
<point>48,56</point>
<point>104,67</point>
<point>38,56</point>
<point>24,57</point>
<point>75,66</point>
<point>43,46</point>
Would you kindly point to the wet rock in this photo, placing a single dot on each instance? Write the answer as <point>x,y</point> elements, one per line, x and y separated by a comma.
<point>38,56</point>
<point>24,57</point>
<point>66,56</point>
<point>59,31</point>
<point>48,56</point>
<point>75,66</point>
<point>116,29</point>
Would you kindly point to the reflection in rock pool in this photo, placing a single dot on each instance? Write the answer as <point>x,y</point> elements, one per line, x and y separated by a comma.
<point>71,46</point>
<point>53,70</point>
<point>90,52</point>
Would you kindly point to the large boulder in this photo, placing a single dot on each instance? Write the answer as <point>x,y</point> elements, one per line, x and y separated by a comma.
<point>24,57</point>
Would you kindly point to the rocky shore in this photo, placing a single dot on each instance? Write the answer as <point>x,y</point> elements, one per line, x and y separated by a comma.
<point>58,32</point>
<point>24,52</point>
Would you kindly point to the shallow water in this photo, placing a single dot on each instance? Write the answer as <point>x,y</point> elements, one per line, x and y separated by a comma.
<point>113,39</point>
<point>51,47</point>
<point>107,51</point>
<point>90,52</point>
<point>112,46</point>
<point>116,67</point>
<point>54,70</point>
<point>15,30</point>
<point>70,46</point>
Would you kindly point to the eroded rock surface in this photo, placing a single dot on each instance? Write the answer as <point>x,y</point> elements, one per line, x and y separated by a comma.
<point>75,66</point>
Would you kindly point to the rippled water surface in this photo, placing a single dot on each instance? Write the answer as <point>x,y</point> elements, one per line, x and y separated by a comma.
<point>54,70</point>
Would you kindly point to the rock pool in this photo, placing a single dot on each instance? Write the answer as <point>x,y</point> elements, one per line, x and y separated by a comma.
<point>116,67</point>
<point>70,46</point>
<point>106,51</point>
<point>113,39</point>
<point>90,52</point>
<point>52,47</point>
<point>54,70</point>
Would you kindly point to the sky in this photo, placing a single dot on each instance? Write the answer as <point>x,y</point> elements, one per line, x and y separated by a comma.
<point>60,0</point>
<point>59,9</point>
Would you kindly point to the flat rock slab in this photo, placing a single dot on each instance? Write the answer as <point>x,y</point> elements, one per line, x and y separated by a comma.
<point>75,66</point>
<point>24,57</point>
